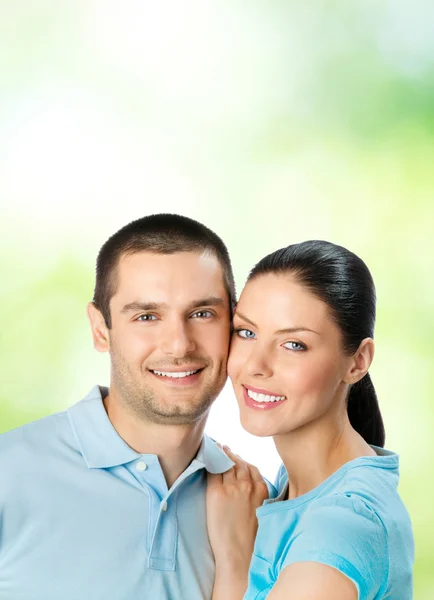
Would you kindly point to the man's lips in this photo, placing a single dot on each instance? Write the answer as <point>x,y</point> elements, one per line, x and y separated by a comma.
<point>177,377</point>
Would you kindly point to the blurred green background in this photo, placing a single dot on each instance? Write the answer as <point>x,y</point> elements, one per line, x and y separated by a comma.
<point>270,122</point>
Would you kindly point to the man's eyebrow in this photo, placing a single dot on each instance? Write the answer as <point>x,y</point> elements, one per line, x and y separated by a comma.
<point>146,306</point>
<point>133,306</point>
<point>279,331</point>
<point>210,301</point>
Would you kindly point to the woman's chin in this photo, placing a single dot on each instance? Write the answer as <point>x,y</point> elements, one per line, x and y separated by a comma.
<point>257,427</point>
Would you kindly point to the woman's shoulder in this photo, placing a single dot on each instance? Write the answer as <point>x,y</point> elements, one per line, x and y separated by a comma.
<point>370,481</point>
<point>372,484</point>
<point>345,508</point>
<point>366,486</point>
<point>362,498</point>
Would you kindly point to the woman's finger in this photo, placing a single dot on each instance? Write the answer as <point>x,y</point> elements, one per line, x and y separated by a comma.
<point>255,473</point>
<point>241,468</point>
<point>214,480</point>
<point>229,476</point>
<point>234,457</point>
<point>242,472</point>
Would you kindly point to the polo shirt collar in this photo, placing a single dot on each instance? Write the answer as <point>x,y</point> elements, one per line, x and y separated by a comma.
<point>212,457</point>
<point>102,447</point>
<point>99,442</point>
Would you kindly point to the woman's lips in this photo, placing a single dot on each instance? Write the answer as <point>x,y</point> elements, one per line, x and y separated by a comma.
<point>260,391</point>
<point>258,405</point>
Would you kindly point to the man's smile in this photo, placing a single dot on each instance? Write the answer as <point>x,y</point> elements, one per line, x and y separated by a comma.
<point>178,377</point>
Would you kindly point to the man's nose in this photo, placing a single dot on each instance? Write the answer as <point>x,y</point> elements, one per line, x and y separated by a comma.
<point>178,340</point>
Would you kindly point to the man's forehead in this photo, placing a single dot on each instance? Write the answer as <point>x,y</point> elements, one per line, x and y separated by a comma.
<point>152,277</point>
<point>148,260</point>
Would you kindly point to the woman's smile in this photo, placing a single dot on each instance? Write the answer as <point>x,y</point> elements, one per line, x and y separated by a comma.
<point>260,399</point>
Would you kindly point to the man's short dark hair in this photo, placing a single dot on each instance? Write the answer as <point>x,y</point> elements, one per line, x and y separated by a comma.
<point>162,234</point>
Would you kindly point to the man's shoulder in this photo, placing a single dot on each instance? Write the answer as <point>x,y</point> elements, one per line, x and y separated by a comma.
<point>48,431</point>
<point>39,433</point>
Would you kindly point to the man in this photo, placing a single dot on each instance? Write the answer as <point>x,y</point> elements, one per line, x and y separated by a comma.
<point>106,500</point>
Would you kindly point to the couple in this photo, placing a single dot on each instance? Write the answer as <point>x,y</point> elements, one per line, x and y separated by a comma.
<point>123,496</point>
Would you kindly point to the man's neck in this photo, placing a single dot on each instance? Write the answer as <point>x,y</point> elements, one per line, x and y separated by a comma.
<point>175,445</point>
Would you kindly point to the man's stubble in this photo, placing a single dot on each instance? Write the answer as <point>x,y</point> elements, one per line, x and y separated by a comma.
<point>141,400</point>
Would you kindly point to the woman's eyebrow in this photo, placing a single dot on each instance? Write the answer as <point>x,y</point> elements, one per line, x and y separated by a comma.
<point>279,331</point>
<point>295,329</point>
<point>238,314</point>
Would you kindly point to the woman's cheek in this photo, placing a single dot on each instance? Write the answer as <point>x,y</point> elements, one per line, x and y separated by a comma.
<point>236,360</point>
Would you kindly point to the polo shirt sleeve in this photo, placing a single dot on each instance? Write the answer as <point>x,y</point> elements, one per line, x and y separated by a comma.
<point>343,532</point>
<point>281,479</point>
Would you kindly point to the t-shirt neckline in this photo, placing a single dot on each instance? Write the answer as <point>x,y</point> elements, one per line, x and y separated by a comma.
<point>384,459</point>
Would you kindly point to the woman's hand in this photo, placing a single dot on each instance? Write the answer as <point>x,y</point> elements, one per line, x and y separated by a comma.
<point>231,501</point>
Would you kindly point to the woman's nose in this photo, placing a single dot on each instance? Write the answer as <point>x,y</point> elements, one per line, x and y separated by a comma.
<point>258,364</point>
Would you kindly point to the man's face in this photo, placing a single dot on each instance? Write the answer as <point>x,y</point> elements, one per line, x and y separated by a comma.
<point>170,335</point>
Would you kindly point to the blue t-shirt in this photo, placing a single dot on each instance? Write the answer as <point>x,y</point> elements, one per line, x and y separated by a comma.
<point>354,521</point>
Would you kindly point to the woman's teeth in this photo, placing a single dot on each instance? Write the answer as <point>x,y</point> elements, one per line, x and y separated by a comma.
<point>264,397</point>
<point>175,375</point>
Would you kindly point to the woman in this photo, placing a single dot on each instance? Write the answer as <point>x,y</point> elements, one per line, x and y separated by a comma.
<point>301,350</point>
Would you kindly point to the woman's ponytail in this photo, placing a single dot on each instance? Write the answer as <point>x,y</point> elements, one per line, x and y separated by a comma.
<point>364,412</point>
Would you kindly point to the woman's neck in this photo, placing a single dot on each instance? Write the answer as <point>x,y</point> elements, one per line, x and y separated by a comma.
<point>314,452</point>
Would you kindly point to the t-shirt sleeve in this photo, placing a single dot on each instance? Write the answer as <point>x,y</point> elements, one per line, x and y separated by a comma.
<point>343,532</point>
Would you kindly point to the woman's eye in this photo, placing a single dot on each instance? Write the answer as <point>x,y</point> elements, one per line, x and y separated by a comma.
<point>146,318</point>
<point>294,346</point>
<point>246,334</point>
<point>202,314</point>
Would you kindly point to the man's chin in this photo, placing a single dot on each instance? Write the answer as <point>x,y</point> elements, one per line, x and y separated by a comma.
<point>179,418</point>
<point>180,413</point>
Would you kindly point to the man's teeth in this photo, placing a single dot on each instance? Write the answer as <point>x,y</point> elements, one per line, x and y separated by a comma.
<point>264,397</point>
<point>175,375</point>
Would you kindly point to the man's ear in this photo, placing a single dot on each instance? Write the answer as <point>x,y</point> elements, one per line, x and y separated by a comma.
<point>360,361</point>
<point>100,332</point>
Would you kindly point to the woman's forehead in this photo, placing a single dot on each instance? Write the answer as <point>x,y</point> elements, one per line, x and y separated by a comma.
<point>282,301</point>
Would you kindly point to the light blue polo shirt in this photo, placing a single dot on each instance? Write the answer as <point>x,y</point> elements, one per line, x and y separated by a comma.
<point>84,517</point>
<point>354,522</point>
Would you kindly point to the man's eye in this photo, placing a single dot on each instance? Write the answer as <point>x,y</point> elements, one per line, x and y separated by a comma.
<point>202,314</point>
<point>246,334</point>
<point>147,318</point>
<point>296,346</point>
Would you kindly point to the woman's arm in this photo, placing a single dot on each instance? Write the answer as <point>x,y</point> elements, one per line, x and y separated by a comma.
<point>312,581</point>
<point>232,500</point>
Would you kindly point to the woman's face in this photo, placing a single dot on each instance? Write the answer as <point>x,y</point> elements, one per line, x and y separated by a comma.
<point>286,360</point>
